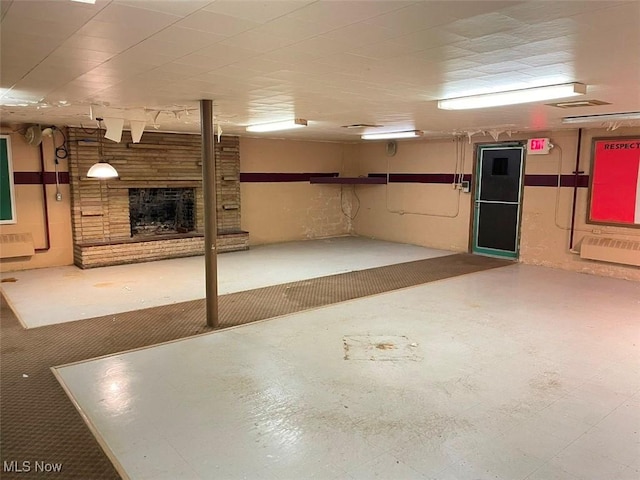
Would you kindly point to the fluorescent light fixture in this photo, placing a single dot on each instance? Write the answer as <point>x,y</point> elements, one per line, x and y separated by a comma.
<point>92,2</point>
<point>273,126</point>
<point>391,135</point>
<point>604,117</point>
<point>513,97</point>
<point>102,170</point>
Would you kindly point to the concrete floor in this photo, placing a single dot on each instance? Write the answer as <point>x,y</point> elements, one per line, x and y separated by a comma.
<point>68,293</point>
<point>514,373</point>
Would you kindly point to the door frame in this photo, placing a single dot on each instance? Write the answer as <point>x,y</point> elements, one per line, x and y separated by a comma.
<point>473,220</point>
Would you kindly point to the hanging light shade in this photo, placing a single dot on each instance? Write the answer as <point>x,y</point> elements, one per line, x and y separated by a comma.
<point>101,169</point>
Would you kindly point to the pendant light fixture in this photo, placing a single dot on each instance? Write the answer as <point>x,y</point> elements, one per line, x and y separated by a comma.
<point>101,170</point>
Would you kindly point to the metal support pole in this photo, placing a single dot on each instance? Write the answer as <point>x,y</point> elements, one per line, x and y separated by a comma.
<point>210,226</point>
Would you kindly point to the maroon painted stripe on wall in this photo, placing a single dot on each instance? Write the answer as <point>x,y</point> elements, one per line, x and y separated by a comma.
<point>263,177</point>
<point>552,180</point>
<point>529,180</point>
<point>421,177</point>
<point>35,178</point>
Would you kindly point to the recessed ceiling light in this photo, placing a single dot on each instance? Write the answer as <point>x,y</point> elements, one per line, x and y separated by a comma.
<point>513,97</point>
<point>274,126</point>
<point>392,135</point>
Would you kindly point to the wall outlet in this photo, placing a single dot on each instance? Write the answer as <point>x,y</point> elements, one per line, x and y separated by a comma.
<point>58,197</point>
<point>466,186</point>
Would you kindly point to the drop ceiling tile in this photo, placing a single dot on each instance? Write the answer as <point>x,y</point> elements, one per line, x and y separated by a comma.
<point>180,9</point>
<point>161,52</point>
<point>560,27</point>
<point>534,12</point>
<point>380,51</point>
<point>512,80</point>
<point>547,58</point>
<point>502,67</point>
<point>261,66</point>
<point>156,78</point>
<point>545,46</point>
<point>118,68</point>
<point>44,28</point>
<point>106,45</point>
<point>427,39</point>
<point>359,34</point>
<point>133,16</point>
<point>108,30</point>
<point>216,23</point>
<point>141,59</point>
<point>29,47</point>
<point>73,54</point>
<point>186,70</point>
<point>449,52</point>
<point>72,13</point>
<point>225,54</point>
<point>256,11</point>
<point>187,37</point>
<point>345,12</point>
<point>319,46</point>
<point>482,25</point>
<point>417,16</point>
<point>257,41</point>
<point>346,62</point>
<point>489,43</point>
<point>612,15</point>
<point>291,54</point>
<point>293,29</point>
<point>567,71</point>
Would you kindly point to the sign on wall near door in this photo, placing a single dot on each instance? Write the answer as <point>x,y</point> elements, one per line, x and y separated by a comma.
<point>615,182</point>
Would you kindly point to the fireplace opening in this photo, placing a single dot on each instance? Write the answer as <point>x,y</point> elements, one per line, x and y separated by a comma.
<point>161,211</point>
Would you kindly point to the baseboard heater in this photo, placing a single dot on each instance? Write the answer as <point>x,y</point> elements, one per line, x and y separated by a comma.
<point>14,245</point>
<point>609,249</point>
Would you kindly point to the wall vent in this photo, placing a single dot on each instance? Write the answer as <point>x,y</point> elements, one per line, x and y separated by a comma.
<point>14,245</point>
<point>578,103</point>
<point>609,249</point>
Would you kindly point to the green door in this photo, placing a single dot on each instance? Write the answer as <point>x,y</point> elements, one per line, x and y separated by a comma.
<point>496,226</point>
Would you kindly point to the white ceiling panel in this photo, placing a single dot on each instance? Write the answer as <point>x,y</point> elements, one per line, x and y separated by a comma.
<point>417,16</point>
<point>292,28</point>
<point>188,38</point>
<point>256,11</point>
<point>333,62</point>
<point>181,9</point>
<point>135,17</point>
<point>216,23</point>
<point>257,41</point>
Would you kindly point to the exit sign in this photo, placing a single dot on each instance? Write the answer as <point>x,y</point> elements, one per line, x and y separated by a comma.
<point>538,146</point>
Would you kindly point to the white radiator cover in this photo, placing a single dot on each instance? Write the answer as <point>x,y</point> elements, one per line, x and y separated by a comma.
<point>13,245</point>
<point>609,249</point>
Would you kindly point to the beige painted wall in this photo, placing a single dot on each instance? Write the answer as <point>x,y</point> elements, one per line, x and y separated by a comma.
<point>433,215</point>
<point>30,209</point>
<point>438,216</point>
<point>287,211</point>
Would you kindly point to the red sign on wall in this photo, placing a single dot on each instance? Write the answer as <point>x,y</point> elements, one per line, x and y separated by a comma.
<point>615,182</point>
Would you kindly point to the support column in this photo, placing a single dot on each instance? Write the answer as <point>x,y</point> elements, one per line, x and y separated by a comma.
<point>210,222</point>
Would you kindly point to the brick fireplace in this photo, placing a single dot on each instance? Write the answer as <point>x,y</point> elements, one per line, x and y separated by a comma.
<point>155,209</point>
